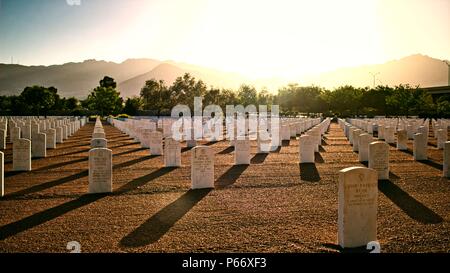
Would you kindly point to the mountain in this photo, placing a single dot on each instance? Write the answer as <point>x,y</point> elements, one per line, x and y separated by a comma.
<point>415,70</point>
<point>71,79</point>
<point>78,79</point>
<point>166,72</point>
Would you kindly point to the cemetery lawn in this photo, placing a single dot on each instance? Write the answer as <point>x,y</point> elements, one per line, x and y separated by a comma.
<point>273,205</point>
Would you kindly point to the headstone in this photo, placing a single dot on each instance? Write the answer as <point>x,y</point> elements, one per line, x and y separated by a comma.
<point>420,147</point>
<point>306,149</point>
<point>202,167</point>
<point>190,143</point>
<point>15,134</point>
<point>355,138</point>
<point>155,143</point>
<point>379,158</point>
<point>441,138</point>
<point>51,138</point>
<point>100,170</point>
<point>99,143</point>
<point>264,142</point>
<point>172,153</point>
<point>59,135</point>
<point>358,201</point>
<point>39,145</point>
<point>285,132</point>
<point>410,131</point>
<point>2,139</point>
<point>242,152</point>
<point>402,140</point>
<point>22,155</point>
<point>98,135</point>
<point>2,174</point>
<point>389,134</point>
<point>363,145</point>
<point>26,132</point>
<point>446,165</point>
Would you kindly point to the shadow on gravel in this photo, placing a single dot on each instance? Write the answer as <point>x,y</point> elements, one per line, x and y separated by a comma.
<point>309,172</point>
<point>361,249</point>
<point>431,164</point>
<point>226,150</point>
<point>408,204</point>
<point>258,158</point>
<point>161,222</point>
<point>318,158</point>
<point>230,176</point>
<point>285,143</point>
<point>52,213</point>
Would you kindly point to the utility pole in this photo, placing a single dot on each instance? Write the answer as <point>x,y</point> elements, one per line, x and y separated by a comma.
<point>448,65</point>
<point>374,75</point>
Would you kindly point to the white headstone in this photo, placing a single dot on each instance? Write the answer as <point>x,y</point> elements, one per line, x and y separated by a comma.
<point>420,147</point>
<point>39,145</point>
<point>15,134</point>
<point>306,149</point>
<point>51,138</point>
<point>2,174</point>
<point>441,138</point>
<point>59,134</point>
<point>402,140</point>
<point>155,143</point>
<point>355,138</point>
<point>2,139</point>
<point>363,145</point>
<point>379,158</point>
<point>202,167</point>
<point>98,135</point>
<point>242,152</point>
<point>22,155</point>
<point>99,143</point>
<point>446,165</point>
<point>100,170</point>
<point>172,153</point>
<point>358,201</point>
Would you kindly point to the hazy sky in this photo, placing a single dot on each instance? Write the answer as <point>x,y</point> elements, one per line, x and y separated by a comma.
<point>254,37</point>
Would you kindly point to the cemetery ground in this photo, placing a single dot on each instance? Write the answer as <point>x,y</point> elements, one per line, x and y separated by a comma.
<point>273,205</point>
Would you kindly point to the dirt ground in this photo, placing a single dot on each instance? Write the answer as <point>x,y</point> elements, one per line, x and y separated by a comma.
<point>273,205</point>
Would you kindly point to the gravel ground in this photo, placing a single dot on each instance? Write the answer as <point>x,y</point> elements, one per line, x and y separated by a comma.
<point>273,205</point>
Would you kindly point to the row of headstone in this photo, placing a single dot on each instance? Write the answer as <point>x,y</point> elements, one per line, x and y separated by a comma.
<point>379,159</point>
<point>32,136</point>
<point>100,162</point>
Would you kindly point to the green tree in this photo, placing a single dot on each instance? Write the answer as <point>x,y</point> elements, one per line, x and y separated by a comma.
<point>132,106</point>
<point>155,96</point>
<point>247,95</point>
<point>38,100</point>
<point>105,99</point>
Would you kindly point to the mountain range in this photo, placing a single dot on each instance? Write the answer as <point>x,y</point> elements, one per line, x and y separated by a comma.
<point>78,79</point>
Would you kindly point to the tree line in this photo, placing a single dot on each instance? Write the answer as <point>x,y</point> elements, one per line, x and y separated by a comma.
<point>158,98</point>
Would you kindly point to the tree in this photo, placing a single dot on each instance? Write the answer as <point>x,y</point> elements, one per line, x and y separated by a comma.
<point>38,100</point>
<point>247,95</point>
<point>132,106</point>
<point>155,96</point>
<point>105,99</point>
<point>185,88</point>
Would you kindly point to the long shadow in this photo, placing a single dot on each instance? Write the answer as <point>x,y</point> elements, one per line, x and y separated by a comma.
<point>131,151</point>
<point>47,185</point>
<point>57,165</point>
<point>408,204</point>
<point>123,145</point>
<point>258,158</point>
<point>141,181</point>
<point>185,149</point>
<point>161,222</point>
<point>134,161</point>
<point>72,153</point>
<point>211,143</point>
<point>42,217</point>
<point>309,172</point>
<point>285,143</point>
<point>431,164</point>
<point>226,150</point>
<point>230,176</point>
<point>324,143</point>
<point>318,158</point>
<point>46,215</point>
<point>277,150</point>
